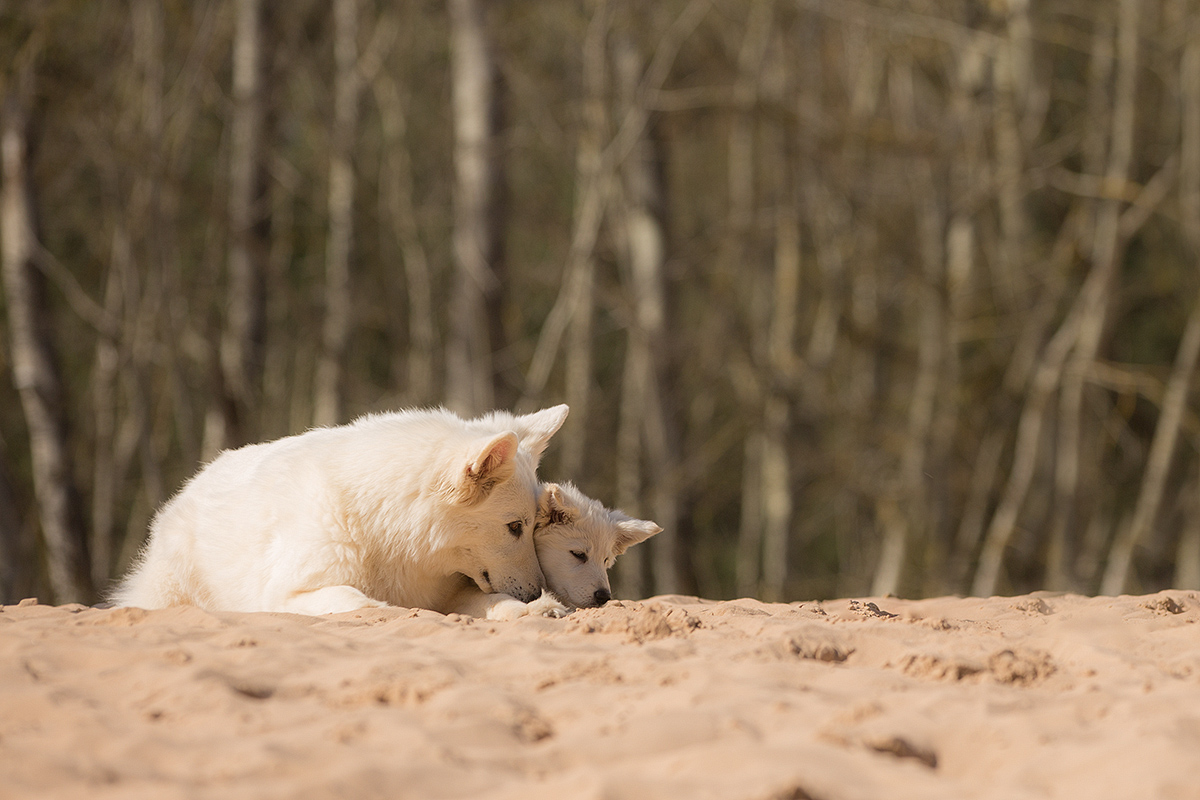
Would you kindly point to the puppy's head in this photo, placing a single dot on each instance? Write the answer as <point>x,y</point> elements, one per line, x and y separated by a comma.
<point>578,539</point>
<point>493,494</point>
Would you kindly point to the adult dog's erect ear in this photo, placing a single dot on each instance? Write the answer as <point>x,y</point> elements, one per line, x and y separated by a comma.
<point>632,531</point>
<point>554,508</point>
<point>536,429</point>
<point>489,462</point>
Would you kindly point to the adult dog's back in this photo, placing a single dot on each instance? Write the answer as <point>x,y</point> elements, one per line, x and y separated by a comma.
<point>402,508</point>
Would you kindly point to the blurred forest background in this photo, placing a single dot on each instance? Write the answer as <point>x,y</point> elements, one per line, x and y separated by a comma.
<point>850,296</point>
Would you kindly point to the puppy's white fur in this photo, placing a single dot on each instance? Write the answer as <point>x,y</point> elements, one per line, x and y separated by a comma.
<point>578,539</point>
<point>415,508</point>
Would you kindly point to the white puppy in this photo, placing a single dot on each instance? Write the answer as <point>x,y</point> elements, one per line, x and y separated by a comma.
<point>578,539</point>
<point>414,508</point>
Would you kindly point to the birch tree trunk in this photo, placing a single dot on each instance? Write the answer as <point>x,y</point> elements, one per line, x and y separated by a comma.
<point>630,575</point>
<point>1079,335</point>
<point>244,335</point>
<point>594,198</point>
<point>588,168</point>
<point>35,368</point>
<point>750,529</point>
<point>335,332</point>
<point>109,466</point>
<point>966,173</point>
<point>1107,251</point>
<point>1162,450</point>
<point>1025,451</point>
<point>776,481</point>
<point>742,207</point>
<point>1166,433</point>
<point>767,513</point>
<point>642,407</point>
<point>1062,549</point>
<point>908,517</point>
<point>398,193</point>
<point>1011,80</point>
<point>469,368</point>
<point>125,328</point>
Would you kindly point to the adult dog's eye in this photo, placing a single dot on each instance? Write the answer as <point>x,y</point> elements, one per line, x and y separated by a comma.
<point>582,556</point>
<point>516,528</point>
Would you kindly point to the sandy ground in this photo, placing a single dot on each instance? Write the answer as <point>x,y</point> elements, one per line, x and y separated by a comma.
<point>1035,696</point>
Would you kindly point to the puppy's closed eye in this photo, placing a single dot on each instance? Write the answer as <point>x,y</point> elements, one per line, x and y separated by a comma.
<point>579,554</point>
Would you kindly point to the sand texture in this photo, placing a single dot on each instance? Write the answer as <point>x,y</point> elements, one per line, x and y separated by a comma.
<point>1024,697</point>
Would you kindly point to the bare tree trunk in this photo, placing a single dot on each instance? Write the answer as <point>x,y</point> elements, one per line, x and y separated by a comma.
<point>128,333</point>
<point>34,364</point>
<point>767,506</point>
<point>288,366</point>
<point>1010,70</point>
<point>469,367</point>
<point>631,571</point>
<point>589,164</point>
<point>742,208</point>
<point>742,125</point>
<point>906,518</point>
<point>1162,451</point>
<point>776,481</point>
<point>1166,433</point>
<point>1079,334</point>
<point>591,204</point>
<point>750,527</point>
<point>1107,249</point>
<point>1025,451</point>
<point>18,572</point>
<point>1045,380</point>
<point>107,469</point>
<point>1187,556</point>
<point>645,245</point>
<point>974,513</point>
<point>244,336</point>
<point>1060,569</point>
<point>398,187</point>
<point>335,332</point>
<point>578,389</point>
<point>1187,553</point>
<point>966,173</point>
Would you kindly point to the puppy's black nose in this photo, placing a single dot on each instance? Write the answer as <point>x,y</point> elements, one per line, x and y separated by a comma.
<point>602,596</point>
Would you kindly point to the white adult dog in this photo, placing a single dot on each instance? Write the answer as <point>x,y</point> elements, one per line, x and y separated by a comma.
<point>415,508</point>
<point>578,539</point>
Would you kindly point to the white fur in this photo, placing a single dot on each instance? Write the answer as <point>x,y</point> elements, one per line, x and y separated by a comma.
<point>411,508</point>
<point>578,539</point>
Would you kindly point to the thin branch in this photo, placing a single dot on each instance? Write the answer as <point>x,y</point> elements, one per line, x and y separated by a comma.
<point>76,296</point>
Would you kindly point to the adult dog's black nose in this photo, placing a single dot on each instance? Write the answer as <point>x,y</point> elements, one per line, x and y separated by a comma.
<point>602,596</point>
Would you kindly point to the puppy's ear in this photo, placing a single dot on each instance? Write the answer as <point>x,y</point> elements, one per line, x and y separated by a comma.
<point>631,532</point>
<point>489,462</point>
<point>536,429</point>
<point>554,508</point>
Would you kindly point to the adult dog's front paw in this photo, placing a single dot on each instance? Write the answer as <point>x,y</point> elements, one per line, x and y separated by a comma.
<point>548,606</point>
<point>505,609</point>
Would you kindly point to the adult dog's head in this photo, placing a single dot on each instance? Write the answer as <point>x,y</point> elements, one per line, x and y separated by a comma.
<point>495,497</point>
<point>578,539</point>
